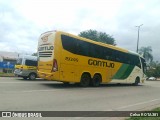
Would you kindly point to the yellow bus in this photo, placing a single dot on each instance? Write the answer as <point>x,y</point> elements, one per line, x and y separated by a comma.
<point>26,67</point>
<point>68,58</point>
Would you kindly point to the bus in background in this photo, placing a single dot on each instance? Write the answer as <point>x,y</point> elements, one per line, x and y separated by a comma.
<point>68,58</point>
<point>26,67</point>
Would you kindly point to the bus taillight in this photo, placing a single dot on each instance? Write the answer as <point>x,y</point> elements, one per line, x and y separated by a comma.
<point>55,66</point>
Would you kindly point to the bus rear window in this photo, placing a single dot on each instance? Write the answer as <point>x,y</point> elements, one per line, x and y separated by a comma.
<point>30,63</point>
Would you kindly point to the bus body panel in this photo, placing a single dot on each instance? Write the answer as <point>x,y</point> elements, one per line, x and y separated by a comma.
<point>46,56</point>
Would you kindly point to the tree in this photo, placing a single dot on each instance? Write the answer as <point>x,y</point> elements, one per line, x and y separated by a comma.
<point>147,53</point>
<point>34,54</point>
<point>154,69</point>
<point>98,36</point>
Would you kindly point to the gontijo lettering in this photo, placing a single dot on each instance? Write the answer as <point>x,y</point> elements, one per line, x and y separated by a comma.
<point>45,48</point>
<point>100,63</point>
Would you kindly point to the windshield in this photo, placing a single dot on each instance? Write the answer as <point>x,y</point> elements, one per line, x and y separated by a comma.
<point>143,65</point>
<point>30,63</point>
<point>19,61</point>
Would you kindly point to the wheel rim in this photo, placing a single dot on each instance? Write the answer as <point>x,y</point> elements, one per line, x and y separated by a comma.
<point>32,77</point>
<point>85,80</point>
<point>96,80</point>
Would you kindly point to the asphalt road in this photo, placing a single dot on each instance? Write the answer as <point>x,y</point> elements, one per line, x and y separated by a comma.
<point>17,94</point>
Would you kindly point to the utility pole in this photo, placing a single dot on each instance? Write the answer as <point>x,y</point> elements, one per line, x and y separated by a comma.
<point>138,36</point>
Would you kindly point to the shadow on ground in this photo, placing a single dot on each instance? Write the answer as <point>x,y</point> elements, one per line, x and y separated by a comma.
<point>37,79</point>
<point>62,86</point>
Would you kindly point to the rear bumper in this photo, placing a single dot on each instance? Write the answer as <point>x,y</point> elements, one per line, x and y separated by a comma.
<point>47,76</point>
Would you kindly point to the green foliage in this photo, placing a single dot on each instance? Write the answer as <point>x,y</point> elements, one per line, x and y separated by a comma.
<point>34,54</point>
<point>98,36</point>
<point>147,53</point>
<point>154,69</point>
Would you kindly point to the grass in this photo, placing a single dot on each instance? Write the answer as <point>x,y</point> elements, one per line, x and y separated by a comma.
<point>147,118</point>
<point>6,74</point>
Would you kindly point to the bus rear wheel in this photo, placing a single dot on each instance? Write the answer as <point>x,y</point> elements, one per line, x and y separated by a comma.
<point>85,80</point>
<point>96,80</point>
<point>32,76</point>
<point>66,83</point>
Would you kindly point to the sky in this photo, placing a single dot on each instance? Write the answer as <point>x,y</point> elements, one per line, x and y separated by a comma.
<point>23,21</point>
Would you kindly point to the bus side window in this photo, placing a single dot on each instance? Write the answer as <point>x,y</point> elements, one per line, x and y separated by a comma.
<point>82,48</point>
<point>69,43</point>
<point>108,54</point>
<point>137,61</point>
<point>99,51</point>
<point>127,59</point>
<point>92,51</point>
<point>117,56</point>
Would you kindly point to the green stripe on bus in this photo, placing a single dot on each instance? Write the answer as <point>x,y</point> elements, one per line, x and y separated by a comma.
<point>124,71</point>
<point>127,72</point>
<point>121,71</point>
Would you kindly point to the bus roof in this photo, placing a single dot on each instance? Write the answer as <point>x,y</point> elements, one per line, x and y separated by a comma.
<point>132,52</point>
<point>95,42</point>
<point>100,43</point>
<point>29,57</point>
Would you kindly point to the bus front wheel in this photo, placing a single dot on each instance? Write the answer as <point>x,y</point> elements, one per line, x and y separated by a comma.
<point>137,80</point>
<point>32,76</point>
<point>96,80</point>
<point>85,80</point>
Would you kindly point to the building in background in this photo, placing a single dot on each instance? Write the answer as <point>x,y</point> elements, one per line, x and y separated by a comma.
<point>7,61</point>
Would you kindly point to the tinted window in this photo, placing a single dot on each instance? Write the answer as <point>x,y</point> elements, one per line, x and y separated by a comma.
<point>143,65</point>
<point>30,63</point>
<point>84,48</point>
<point>95,51</point>
<point>69,43</point>
<point>127,59</point>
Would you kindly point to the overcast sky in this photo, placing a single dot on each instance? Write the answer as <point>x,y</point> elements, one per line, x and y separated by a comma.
<point>22,21</point>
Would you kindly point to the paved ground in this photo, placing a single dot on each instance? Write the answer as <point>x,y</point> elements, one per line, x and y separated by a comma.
<point>17,94</point>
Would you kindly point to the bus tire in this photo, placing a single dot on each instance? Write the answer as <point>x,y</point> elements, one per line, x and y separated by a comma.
<point>137,80</point>
<point>66,83</point>
<point>32,76</point>
<point>96,81</point>
<point>25,78</point>
<point>85,80</point>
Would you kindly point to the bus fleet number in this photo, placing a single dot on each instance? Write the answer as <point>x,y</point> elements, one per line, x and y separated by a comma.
<point>71,59</point>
